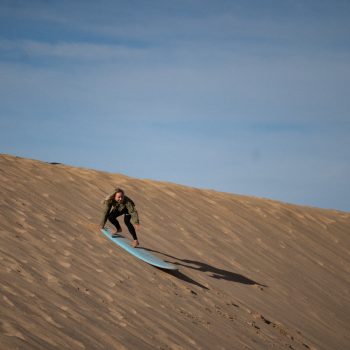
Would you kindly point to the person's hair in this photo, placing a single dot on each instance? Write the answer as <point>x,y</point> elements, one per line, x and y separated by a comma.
<point>111,196</point>
<point>118,190</point>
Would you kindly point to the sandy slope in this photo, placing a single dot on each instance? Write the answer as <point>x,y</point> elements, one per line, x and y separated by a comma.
<point>253,273</point>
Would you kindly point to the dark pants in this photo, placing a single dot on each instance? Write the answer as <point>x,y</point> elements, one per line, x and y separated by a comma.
<point>112,217</point>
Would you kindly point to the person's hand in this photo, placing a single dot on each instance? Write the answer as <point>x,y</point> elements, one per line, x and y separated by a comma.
<point>137,226</point>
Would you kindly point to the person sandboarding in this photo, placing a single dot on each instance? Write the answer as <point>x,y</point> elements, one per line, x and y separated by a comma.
<point>118,204</point>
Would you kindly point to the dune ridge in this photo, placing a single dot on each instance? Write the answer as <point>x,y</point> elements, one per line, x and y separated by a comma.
<point>253,273</point>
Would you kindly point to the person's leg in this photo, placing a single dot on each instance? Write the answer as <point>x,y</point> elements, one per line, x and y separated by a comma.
<point>112,217</point>
<point>130,226</point>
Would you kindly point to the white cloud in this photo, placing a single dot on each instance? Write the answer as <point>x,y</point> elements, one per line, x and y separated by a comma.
<point>75,50</point>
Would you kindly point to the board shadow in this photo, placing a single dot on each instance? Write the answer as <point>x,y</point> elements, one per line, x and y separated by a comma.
<point>215,272</point>
<point>183,277</point>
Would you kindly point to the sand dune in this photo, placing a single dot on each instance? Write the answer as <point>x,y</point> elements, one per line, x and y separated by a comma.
<point>253,273</point>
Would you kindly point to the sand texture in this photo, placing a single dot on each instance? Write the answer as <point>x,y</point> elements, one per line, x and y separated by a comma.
<point>253,273</point>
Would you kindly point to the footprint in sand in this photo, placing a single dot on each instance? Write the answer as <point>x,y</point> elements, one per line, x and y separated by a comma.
<point>64,264</point>
<point>10,330</point>
<point>43,217</point>
<point>51,278</point>
<point>8,301</point>
<point>66,253</point>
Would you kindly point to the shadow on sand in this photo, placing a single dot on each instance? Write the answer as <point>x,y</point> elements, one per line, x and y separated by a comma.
<point>200,266</point>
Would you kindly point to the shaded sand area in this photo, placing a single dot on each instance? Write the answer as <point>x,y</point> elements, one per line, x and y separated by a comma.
<point>253,273</point>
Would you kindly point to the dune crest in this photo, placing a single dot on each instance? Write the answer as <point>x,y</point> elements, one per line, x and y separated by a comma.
<point>253,273</point>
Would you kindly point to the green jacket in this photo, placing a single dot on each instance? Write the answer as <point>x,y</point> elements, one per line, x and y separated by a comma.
<point>128,204</point>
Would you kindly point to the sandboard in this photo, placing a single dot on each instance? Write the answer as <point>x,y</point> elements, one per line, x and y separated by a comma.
<point>140,253</point>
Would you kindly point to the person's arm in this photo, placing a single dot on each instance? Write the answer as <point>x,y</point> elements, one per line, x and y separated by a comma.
<point>133,212</point>
<point>108,206</point>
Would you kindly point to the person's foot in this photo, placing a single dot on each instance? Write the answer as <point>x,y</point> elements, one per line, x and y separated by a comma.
<point>115,233</point>
<point>135,243</point>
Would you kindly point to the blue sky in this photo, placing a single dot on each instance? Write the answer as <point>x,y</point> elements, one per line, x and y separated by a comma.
<point>248,97</point>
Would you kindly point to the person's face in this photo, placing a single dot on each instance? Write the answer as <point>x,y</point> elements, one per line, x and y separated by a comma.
<point>119,197</point>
